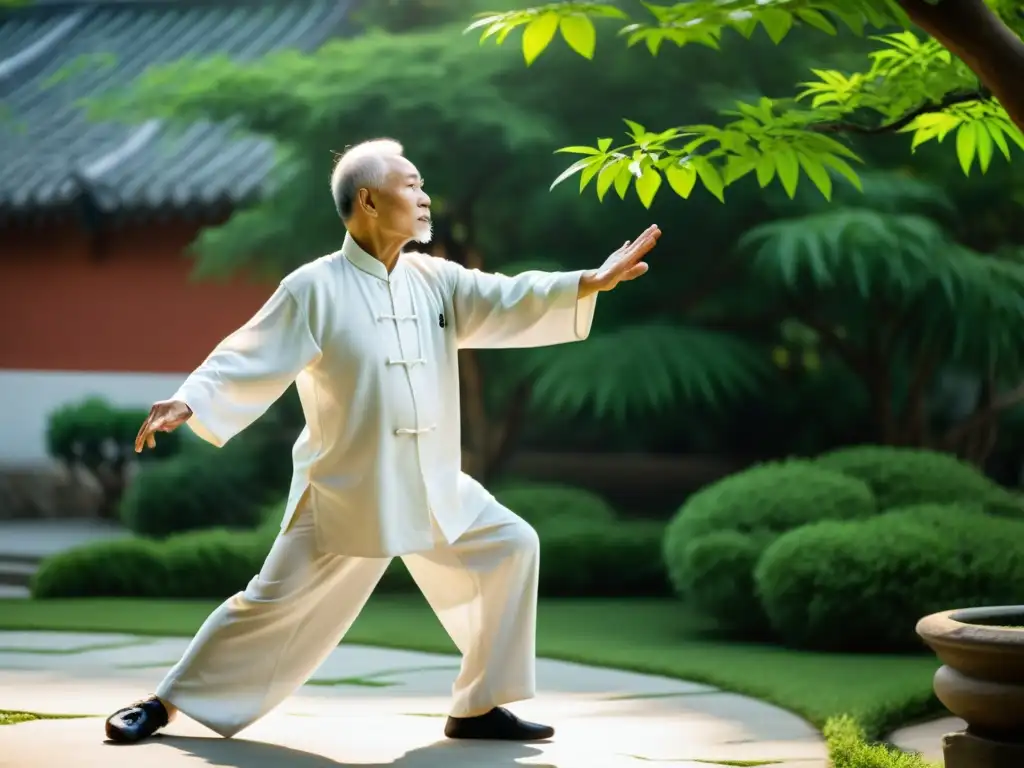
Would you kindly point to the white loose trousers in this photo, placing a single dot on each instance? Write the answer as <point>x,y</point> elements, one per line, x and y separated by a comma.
<point>262,644</point>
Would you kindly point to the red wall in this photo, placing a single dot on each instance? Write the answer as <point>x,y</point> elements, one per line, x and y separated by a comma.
<point>133,307</point>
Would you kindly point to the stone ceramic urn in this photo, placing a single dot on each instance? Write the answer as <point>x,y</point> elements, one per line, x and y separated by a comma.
<point>981,682</point>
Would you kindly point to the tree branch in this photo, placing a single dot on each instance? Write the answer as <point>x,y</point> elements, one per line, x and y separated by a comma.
<point>949,100</point>
<point>975,34</point>
<point>982,416</point>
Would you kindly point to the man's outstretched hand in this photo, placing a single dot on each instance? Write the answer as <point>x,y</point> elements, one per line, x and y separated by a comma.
<point>625,264</point>
<point>165,416</point>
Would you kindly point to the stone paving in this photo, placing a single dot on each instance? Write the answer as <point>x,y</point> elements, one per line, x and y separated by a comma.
<point>379,708</point>
<point>926,738</point>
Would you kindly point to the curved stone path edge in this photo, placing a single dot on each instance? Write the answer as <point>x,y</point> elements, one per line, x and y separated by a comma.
<point>375,708</point>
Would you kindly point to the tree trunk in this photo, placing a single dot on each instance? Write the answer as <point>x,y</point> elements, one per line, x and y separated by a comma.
<point>974,33</point>
<point>486,442</point>
<point>915,431</point>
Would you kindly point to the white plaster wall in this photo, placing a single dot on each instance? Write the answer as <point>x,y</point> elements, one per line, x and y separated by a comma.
<point>28,397</point>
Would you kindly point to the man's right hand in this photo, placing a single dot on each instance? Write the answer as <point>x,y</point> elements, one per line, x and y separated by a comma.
<point>165,416</point>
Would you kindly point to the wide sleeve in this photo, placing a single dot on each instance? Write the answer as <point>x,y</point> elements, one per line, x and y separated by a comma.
<point>249,369</point>
<point>531,309</point>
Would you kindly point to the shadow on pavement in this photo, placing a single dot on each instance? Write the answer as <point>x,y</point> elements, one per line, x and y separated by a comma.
<point>238,753</point>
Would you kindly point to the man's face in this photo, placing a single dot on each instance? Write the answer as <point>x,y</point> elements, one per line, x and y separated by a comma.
<point>403,208</point>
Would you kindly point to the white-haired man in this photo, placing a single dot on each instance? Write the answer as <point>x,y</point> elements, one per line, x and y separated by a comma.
<point>370,336</point>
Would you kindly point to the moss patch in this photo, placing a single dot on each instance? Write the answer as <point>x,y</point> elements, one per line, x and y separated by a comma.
<point>71,651</point>
<point>379,679</point>
<point>12,717</point>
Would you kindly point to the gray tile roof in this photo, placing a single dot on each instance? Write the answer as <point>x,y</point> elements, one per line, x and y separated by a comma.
<point>53,157</point>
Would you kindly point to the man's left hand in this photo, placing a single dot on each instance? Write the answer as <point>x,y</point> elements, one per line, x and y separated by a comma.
<point>623,265</point>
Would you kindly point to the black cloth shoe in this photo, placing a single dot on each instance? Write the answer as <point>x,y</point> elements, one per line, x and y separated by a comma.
<point>497,725</point>
<point>137,722</point>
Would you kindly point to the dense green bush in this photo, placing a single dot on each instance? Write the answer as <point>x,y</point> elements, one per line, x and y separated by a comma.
<point>863,585</point>
<point>541,504</point>
<point>578,558</point>
<point>203,487</point>
<point>902,476</point>
<point>716,574</point>
<point>581,558</point>
<point>92,432</point>
<point>120,568</point>
<point>100,438</point>
<point>740,515</point>
<point>848,747</point>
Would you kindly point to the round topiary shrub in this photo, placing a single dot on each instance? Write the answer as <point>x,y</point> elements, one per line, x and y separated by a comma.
<point>203,487</point>
<point>716,573</point>
<point>863,585</point>
<point>757,505</point>
<point>119,568</point>
<point>540,504</point>
<point>899,477</point>
<point>584,558</point>
<point>213,563</point>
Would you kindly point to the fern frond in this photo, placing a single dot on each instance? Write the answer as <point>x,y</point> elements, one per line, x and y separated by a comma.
<point>646,368</point>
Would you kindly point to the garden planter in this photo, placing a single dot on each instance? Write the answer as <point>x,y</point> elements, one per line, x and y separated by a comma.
<point>981,682</point>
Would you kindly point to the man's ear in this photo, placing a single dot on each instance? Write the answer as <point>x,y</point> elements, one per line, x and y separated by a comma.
<point>367,203</point>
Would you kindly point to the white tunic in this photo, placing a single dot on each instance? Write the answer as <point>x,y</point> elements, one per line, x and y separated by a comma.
<point>374,359</point>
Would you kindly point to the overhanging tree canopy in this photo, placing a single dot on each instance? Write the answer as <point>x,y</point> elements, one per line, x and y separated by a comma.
<point>967,78</point>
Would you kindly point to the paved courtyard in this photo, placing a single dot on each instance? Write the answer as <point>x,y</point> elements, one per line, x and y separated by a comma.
<point>379,708</point>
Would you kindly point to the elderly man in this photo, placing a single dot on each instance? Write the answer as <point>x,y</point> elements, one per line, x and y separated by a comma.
<point>370,336</point>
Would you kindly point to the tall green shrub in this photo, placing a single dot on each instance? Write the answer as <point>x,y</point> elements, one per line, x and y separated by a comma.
<point>713,543</point>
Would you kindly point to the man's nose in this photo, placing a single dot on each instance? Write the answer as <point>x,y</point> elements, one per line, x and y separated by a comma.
<point>424,200</point>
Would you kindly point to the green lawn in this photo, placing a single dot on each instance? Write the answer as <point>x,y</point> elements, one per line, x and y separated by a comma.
<point>655,636</point>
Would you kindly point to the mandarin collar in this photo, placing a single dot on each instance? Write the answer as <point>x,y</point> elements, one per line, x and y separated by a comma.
<point>364,262</point>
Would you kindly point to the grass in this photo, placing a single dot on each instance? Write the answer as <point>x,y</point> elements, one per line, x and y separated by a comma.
<point>848,748</point>
<point>10,717</point>
<point>653,636</point>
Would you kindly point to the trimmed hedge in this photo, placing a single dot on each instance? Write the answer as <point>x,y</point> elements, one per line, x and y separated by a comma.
<point>713,543</point>
<point>899,477</point>
<point>578,557</point>
<point>864,585</point>
<point>203,487</point>
<point>544,504</point>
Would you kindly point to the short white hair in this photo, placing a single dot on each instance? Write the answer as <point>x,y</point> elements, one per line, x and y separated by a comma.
<point>362,165</point>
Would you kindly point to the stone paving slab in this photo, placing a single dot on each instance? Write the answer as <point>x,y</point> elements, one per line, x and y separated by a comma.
<point>40,538</point>
<point>926,738</point>
<point>604,718</point>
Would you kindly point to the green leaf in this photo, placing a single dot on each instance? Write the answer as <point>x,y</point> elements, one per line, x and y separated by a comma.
<point>966,144</point>
<point>817,174</point>
<point>681,178</point>
<point>590,172</point>
<point>984,141</point>
<point>816,19</point>
<point>710,177</point>
<point>580,150</point>
<point>996,132</point>
<point>538,35</point>
<point>776,23</point>
<point>647,186</point>
<point>843,168</point>
<point>789,169</point>
<point>603,144</point>
<point>622,180</point>
<point>737,166</point>
<point>765,170</point>
<point>635,129</point>
<point>607,176</point>
<point>578,31</point>
<point>577,166</point>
